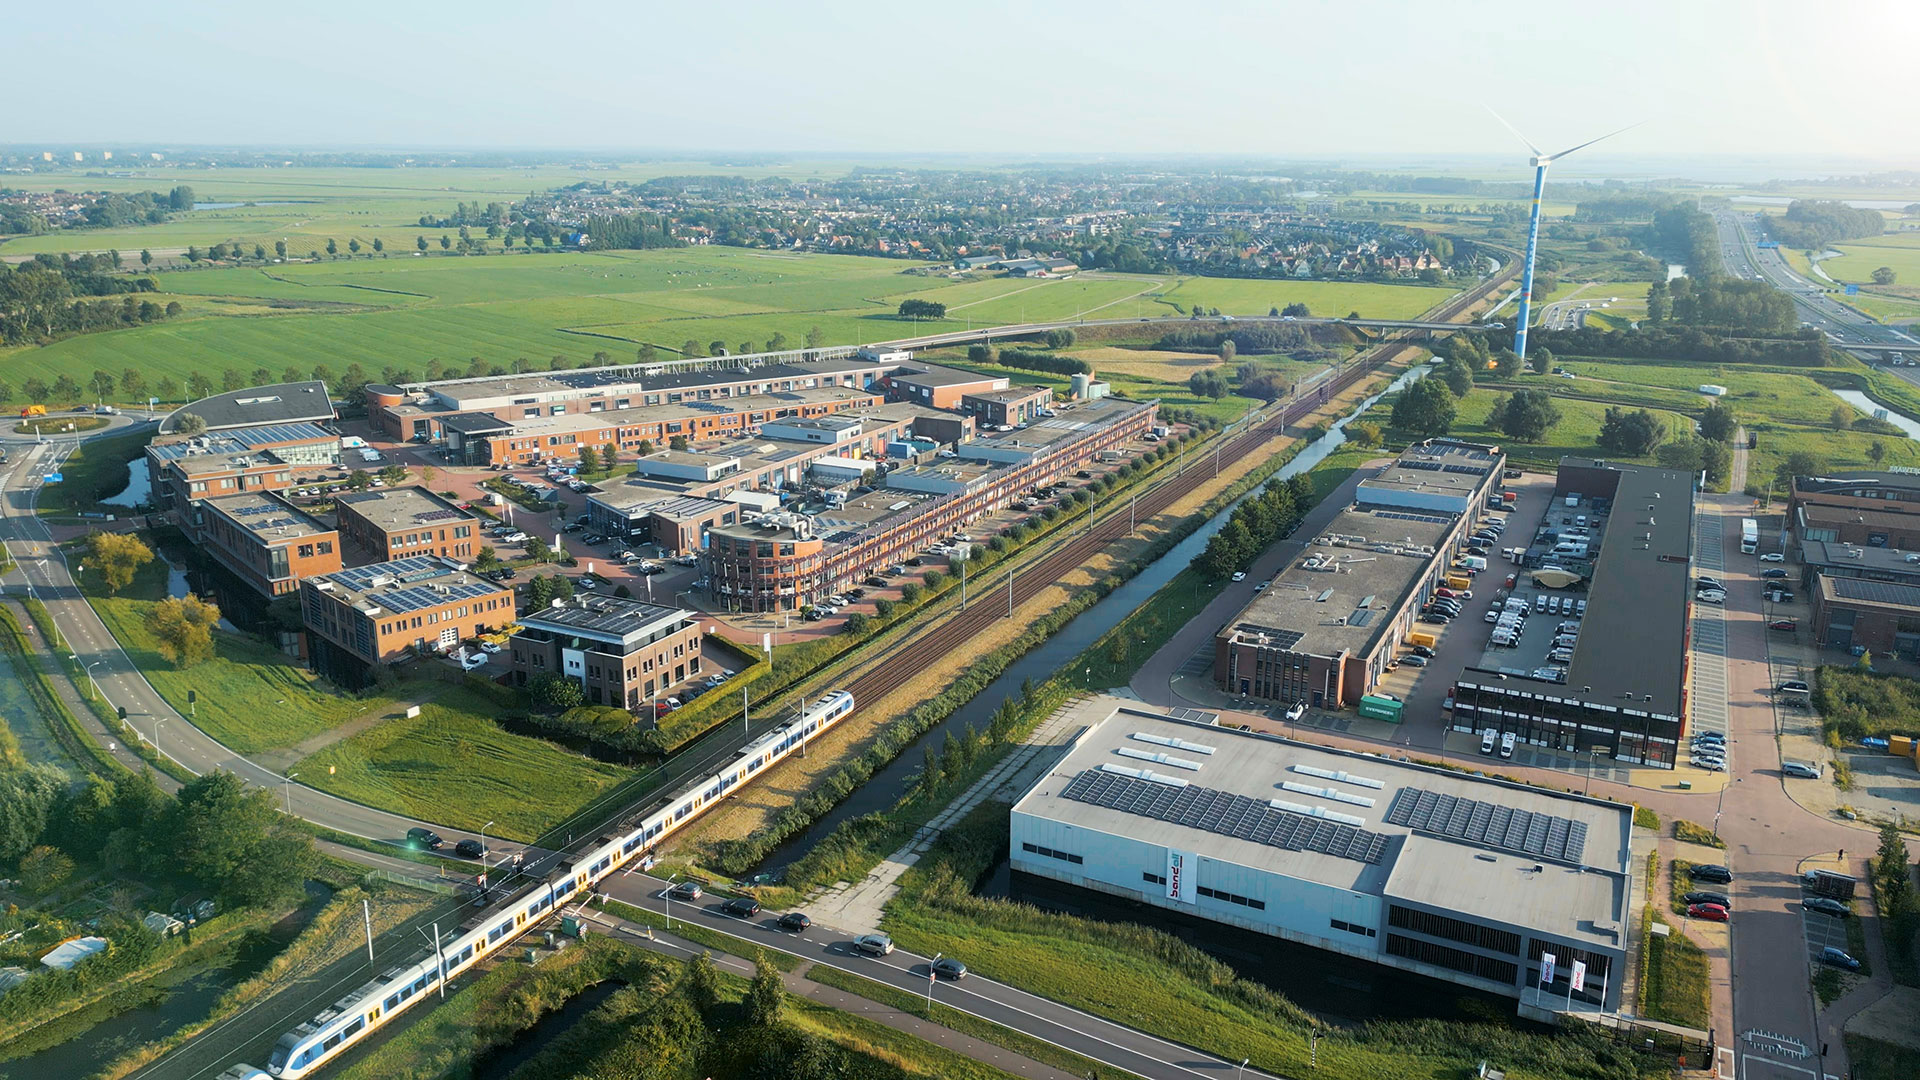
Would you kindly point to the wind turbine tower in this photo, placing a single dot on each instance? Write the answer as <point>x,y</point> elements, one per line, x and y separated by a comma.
<point>1540,163</point>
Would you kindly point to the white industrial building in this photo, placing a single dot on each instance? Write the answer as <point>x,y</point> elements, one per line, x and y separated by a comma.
<point>1468,880</point>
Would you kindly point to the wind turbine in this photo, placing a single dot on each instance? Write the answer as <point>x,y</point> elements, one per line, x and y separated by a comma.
<point>1540,163</point>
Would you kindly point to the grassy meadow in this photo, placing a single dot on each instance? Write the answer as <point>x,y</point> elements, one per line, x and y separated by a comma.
<point>521,784</point>
<point>402,311</point>
<point>1859,258</point>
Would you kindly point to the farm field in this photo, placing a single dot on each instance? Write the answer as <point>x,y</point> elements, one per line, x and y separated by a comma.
<point>454,765</point>
<point>1859,259</point>
<point>400,313</point>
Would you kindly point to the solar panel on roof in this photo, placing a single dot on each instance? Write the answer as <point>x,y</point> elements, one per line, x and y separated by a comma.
<point>1490,824</point>
<point>1226,814</point>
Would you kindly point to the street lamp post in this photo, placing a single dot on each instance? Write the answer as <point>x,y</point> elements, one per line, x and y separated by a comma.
<point>288,784</point>
<point>668,896</point>
<point>90,678</point>
<point>483,842</point>
<point>1593,762</point>
<point>930,978</point>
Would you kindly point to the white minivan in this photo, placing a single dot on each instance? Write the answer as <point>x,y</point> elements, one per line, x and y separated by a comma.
<point>1487,740</point>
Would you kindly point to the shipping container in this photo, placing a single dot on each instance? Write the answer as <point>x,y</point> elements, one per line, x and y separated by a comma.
<point>1381,708</point>
<point>1422,638</point>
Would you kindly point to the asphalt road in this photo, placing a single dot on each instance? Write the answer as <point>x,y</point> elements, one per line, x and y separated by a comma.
<point>1084,1033</point>
<point>1846,327</point>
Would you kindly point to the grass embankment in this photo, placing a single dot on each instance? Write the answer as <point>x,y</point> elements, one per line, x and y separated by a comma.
<point>1151,980</point>
<point>966,1023</point>
<point>1674,977</point>
<point>1644,818</point>
<point>523,785</point>
<point>97,469</point>
<point>1873,1059</point>
<point>1689,832</point>
<point>59,425</point>
<point>252,696</point>
<point>1855,704</point>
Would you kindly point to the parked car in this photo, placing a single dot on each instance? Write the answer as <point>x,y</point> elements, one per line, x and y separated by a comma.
<point>1507,743</point>
<point>490,647</point>
<point>1709,912</point>
<point>1773,556</point>
<point>1705,582</point>
<point>514,537</point>
<point>687,890</point>
<point>1710,872</point>
<point>470,849</point>
<point>1786,626</point>
<point>1239,575</point>
<point>1792,686</point>
<point>873,944</point>
<point>470,661</point>
<point>1488,739</point>
<point>1710,596</point>
<point>795,921</point>
<point>1423,651</point>
<point>1838,958</point>
<point>1414,661</point>
<point>1720,899</point>
<point>1434,617</point>
<point>741,907</point>
<point>1773,572</point>
<point>1826,905</point>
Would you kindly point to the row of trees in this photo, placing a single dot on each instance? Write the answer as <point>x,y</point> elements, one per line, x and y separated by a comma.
<point>922,309</point>
<point>1814,223</point>
<point>1746,307</point>
<point>1256,523</point>
<point>1802,348</point>
<point>1029,360</point>
<point>42,298</point>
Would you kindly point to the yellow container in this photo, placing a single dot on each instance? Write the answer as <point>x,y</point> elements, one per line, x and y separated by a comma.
<point>1900,744</point>
<point>1459,581</point>
<point>1422,638</point>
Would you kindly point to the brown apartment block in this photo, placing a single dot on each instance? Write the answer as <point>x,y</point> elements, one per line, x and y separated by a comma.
<point>624,653</point>
<point>264,540</point>
<point>397,523</point>
<point>366,616</point>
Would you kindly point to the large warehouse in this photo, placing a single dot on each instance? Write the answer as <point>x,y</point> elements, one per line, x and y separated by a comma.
<point>1468,880</point>
<point>1323,632</point>
<point>1625,694</point>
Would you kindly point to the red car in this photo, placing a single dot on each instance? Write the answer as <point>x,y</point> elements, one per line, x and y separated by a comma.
<point>1787,625</point>
<point>1709,912</point>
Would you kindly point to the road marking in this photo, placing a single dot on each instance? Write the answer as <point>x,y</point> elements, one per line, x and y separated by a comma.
<point>1749,1062</point>
<point>1726,1063</point>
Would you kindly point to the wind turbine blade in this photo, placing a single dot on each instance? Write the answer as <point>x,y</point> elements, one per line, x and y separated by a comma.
<point>1590,142</point>
<point>1510,127</point>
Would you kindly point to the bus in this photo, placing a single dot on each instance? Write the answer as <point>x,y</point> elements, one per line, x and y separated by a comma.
<point>1749,536</point>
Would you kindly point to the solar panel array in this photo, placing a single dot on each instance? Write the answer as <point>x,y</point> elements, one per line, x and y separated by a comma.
<point>249,511</point>
<point>424,596</point>
<point>417,568</point>
<point>1225,813</point>
<point>271,523</point>
<point>438,515</point>
<point>1400,516</point>
<point>278,433</point>
<point>1522,831</point>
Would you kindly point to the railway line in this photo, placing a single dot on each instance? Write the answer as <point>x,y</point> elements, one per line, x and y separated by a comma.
<point>929,648</point>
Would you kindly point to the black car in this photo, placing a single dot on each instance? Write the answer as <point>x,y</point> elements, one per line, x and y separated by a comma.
<point>1422,650</point>
<point>469,849</point>
<point>1722,899</point>
<point>741,907</point>
<point>1710,872</point>
<point>1431,617</point>
<point>795,921</point>
<point>1773,572</point>
<point>424,838</point>
<point>1825,905</point>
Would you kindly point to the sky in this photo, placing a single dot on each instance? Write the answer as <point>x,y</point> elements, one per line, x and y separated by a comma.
<point>1285,78</point>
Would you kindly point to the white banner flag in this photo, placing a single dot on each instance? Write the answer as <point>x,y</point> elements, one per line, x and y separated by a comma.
<point>1180,884</point>
<point>1547,960</point>
<point>1579,981</point>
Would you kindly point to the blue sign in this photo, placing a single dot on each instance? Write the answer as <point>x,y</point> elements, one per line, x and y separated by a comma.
<point>54,478</point>
<point>1853,290</point>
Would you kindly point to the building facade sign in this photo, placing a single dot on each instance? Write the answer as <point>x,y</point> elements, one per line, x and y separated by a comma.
<point>1180,883</point>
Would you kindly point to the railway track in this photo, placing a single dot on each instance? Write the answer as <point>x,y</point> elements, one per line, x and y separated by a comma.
<point>932,646</point>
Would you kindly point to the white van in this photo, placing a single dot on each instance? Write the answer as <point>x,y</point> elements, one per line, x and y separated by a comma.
<point>1487,740</point>
<point>1506,745</point>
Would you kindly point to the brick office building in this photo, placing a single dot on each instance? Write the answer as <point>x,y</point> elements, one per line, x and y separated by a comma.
<point>366,616</point>
<point>624,653</point>
<point>398,523</point>
<point>264,541</point>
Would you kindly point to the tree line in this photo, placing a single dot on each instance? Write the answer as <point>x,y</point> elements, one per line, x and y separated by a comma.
<point>922,309</point>
<point>1257,522</point>
<point>1801,348</point>
<point>39,299</point>
<point>1815,223</point>
<point>1029,360</point>
<point>1745,307</point>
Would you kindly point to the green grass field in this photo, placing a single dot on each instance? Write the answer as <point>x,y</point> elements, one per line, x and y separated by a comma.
<point>402,312</point>
<point>1575,433</point>
<point>523,785</point>
<point>1678,991</point>
<point>1860,258</point>
<point>252,696</point>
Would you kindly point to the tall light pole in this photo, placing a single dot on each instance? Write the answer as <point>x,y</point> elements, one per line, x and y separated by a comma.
<point>483,843</point>
<point>288,783</point>
<point>668,896</point>
<point>930,977</point>
<point>1593,762</point>
<point>90,679</point>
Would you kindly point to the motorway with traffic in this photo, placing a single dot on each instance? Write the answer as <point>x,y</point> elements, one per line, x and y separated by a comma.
<point>1844,326</point>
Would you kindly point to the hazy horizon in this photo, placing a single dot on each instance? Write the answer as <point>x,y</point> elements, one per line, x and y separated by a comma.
<point>1297,82</point>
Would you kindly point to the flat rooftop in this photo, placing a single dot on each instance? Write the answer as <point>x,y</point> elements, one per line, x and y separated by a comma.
<point>593,382</point>
<point>1633,638</point>
<point>1016,392</point>
<point>1859,557</point>
<point>1857,482</point>
<point>605,617</point>
<point>410,584</point>
<point>935,375</point>
<point>1557,863</point>
<point>1859,592</point>
<point>236,448</point>
<point>268,516</point>
<point>395,509</point>
<point>1438,467</point>
<point>1071,422</point>
<point>1338,594</point>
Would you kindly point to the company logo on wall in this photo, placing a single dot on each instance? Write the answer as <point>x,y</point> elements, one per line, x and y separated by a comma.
<point>1180,883</point>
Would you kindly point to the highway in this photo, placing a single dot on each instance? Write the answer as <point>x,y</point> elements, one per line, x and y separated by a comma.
<point>1845,327</point>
